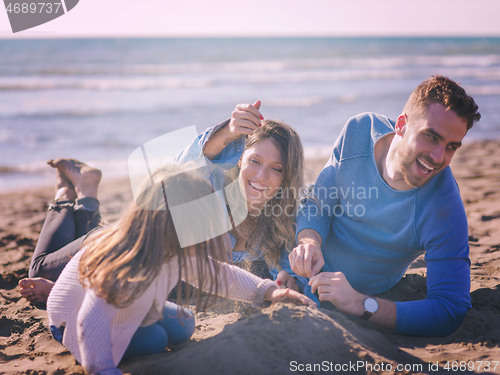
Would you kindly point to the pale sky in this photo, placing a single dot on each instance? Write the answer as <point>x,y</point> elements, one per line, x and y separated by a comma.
<point>98,18</point>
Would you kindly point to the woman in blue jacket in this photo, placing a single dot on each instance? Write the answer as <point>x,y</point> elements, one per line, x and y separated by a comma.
<point>267,159</point>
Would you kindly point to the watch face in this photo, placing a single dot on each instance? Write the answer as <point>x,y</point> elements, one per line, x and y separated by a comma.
<point>371,305</point>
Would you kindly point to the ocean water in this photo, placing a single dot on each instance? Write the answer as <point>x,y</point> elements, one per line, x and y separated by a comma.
<point>99,99</point>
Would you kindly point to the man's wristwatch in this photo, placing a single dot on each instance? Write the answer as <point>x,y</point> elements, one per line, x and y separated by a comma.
<point>371,306</point>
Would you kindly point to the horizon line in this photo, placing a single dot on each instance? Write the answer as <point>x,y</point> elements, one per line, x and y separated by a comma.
<point>48,35</point>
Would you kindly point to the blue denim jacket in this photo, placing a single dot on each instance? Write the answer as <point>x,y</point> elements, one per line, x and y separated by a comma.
<point>226,160</point>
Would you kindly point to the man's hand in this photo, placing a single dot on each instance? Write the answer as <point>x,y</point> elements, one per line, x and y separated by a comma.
<point>334,287</point>
<point>286,280</point>
<point>274,294</point>
<point>307,259</point>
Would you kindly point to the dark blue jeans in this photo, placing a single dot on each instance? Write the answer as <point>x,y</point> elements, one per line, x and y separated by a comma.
<point>66,226</point>
<point>174,329</point>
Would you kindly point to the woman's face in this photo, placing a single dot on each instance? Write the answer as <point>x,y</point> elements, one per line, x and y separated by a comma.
<point>261,173</point>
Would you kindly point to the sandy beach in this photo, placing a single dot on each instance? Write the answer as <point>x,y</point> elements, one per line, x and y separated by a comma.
<point>281,339</point>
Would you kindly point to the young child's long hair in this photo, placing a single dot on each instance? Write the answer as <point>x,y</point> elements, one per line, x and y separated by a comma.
<point>123,259</point>
<point>275,228</point>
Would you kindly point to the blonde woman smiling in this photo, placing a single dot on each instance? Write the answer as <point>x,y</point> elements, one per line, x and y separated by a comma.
<point>268,159</point>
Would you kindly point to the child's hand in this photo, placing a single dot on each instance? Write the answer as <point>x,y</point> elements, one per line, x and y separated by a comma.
<point>285,280</point>
<point>274,294</point>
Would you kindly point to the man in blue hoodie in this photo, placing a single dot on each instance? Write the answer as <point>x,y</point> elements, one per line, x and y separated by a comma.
<point>386,196</point>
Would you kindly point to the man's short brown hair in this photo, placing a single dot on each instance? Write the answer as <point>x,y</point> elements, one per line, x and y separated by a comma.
<point>444,91</point>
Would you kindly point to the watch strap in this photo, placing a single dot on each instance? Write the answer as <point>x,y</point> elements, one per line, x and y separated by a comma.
<point>366,315</point>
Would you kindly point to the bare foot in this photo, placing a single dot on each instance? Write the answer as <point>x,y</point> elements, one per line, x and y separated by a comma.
<point>84,178</point>
<point>65,191</point>
<point>35,290</point>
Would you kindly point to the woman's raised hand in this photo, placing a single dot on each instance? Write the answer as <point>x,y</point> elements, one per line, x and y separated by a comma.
<point>244,120</point>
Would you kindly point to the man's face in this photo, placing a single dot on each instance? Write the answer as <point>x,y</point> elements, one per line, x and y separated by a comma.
<point>428,143</point>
